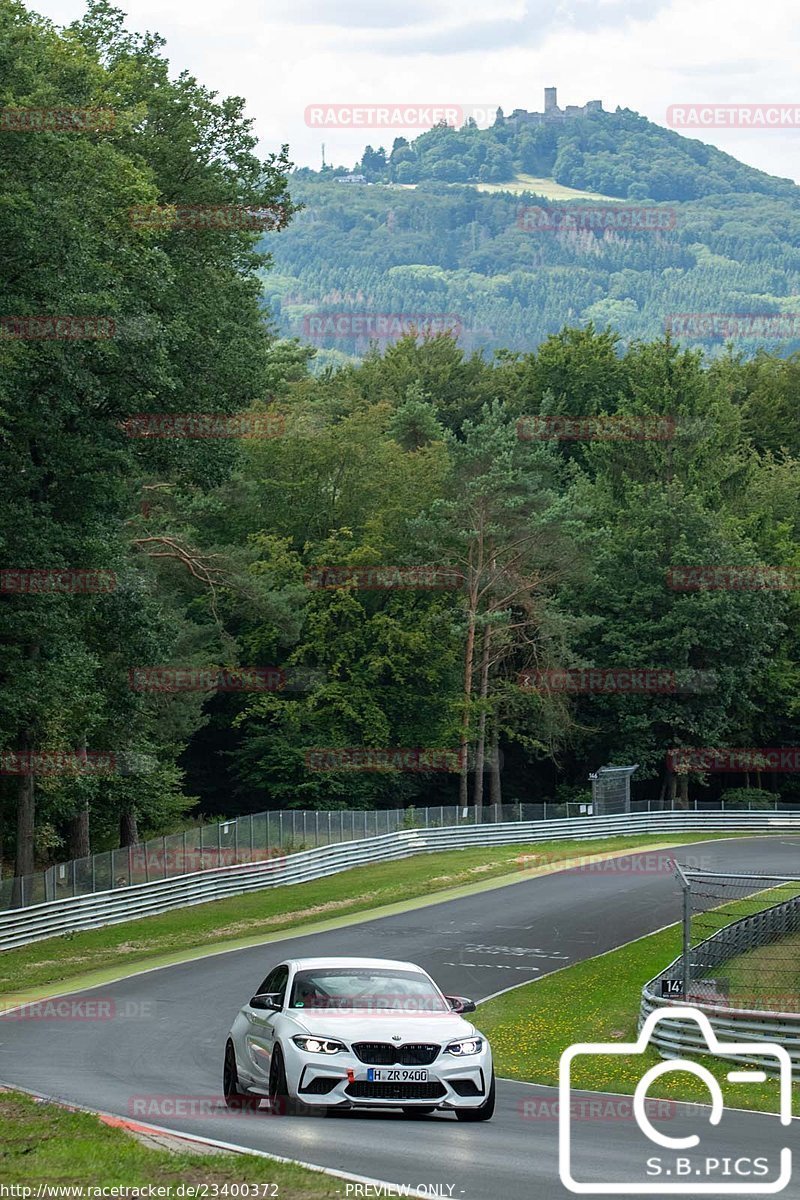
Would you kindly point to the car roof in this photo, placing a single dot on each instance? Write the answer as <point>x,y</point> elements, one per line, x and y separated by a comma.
<point>304,964</point>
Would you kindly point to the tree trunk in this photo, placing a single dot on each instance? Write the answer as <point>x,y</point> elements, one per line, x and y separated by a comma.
<point>469,651</point>
<point>128,831</point>
<point>663,792</point>
<point>480,747</point>
<point>78,834</point>
<point>671,793</point>
<point>26,816</point>
<point>683,791</point>
<point>495,781</point>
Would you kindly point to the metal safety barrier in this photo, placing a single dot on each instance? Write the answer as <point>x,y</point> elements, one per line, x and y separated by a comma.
<point>675,1038</point>
<point>21,926</point>
<point>255,837</point>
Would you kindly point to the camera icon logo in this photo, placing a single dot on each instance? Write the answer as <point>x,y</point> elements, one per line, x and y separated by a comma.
<point>684,1174</point>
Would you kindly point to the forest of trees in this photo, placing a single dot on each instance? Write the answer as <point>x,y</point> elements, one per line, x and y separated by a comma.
<point>618,154</point>
<point>447,249</point>
<point>410,457</point>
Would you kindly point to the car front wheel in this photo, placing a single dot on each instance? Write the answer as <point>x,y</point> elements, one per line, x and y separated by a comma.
<point>484,1113</point>
<point>231,1088</point>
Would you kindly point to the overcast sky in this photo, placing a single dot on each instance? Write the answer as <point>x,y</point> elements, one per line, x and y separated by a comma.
<point>284,55</point>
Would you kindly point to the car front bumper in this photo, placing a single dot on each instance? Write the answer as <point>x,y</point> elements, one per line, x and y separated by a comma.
<point>342,1081</point>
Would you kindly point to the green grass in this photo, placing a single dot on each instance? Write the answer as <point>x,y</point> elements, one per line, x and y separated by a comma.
<point>44,1143</point>
<point>544,187</point>
<point>766,978</point>
<point>102,954</point>
<point>598,1001</point>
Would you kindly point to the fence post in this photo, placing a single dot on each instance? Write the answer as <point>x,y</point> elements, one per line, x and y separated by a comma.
<point>74,892</point>
<point>544,803</point>
<point>687,931</point>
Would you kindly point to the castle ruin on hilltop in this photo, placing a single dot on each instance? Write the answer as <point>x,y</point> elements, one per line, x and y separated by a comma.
<point>552,112</point>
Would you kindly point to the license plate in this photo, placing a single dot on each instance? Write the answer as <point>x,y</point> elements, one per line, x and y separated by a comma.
<point>396,1075</point>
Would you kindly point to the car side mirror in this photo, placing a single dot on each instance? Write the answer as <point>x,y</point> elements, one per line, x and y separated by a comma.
<point>267,1000</point>
<point>461,1004</point>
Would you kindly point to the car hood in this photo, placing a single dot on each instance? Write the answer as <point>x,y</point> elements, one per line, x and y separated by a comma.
<point>372,1027</point>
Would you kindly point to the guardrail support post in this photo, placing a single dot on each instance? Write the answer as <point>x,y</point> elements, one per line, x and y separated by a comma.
<point>687,931</point>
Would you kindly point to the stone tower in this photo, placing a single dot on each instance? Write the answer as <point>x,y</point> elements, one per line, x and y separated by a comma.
<point>550,103</point>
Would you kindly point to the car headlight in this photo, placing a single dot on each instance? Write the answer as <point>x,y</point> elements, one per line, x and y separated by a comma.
<point>466,1046</point>
<point>318,1045</point>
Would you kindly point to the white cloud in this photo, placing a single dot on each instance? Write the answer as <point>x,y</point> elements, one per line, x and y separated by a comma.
<point>641,54</point>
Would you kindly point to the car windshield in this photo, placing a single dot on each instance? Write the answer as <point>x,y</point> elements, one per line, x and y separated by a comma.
<point>375,988</point>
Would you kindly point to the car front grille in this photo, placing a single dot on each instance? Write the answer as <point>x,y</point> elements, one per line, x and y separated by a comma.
<point>384,1054</point>
<point>363,1090</point>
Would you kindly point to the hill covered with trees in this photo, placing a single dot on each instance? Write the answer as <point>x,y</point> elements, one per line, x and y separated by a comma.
<point>619,154</point>
<point>653,225</point>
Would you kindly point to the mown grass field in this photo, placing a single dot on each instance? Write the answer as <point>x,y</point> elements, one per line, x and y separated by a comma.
<point>544,187</point>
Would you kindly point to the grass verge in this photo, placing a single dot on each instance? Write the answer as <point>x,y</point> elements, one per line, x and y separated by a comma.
<point>767,978</point>
<point>598,1001</point>
<point>42,1143</point>
<point>42,967</point>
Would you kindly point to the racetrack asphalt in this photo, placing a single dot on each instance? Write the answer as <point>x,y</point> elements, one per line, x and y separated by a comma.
<point>165,1034</point>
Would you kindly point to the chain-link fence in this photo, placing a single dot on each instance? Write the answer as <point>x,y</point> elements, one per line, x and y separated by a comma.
<point>741,942</point>
<point>257,837</point>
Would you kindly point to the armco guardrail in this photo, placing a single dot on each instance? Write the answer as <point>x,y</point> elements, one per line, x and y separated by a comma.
<point>20,926</point>
<point>258,836</point>
<point>677,1038</point>
<point>254,837</point>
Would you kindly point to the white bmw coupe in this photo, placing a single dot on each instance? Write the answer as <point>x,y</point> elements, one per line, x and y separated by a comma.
<point>352,1033</point>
